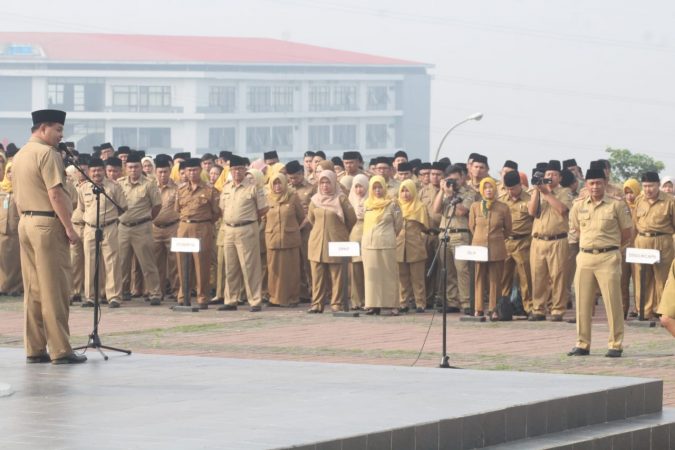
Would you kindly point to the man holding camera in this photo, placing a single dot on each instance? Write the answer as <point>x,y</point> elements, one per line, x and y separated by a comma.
<point>549,205</point>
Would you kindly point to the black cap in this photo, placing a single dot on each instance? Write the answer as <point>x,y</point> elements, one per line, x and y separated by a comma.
<point>337,161</point>
<point>83,159</point>
<point>463,167</point>
<point>425,166</point>
<point>134,157</point>
<point>123,149</point>
<point>182,155</point>
<point>382,160</point>
<point>481,159</point>
<point>113,161</point>
<point>96,162</point>
<point>225,155</point>
<point>270,155</point>
<point>437,165</point>
<point>511,179</point>
<point>597,165</point>
<point>650,177</point>
<point>12,149</point>
<point>569,163</point>
<point>320,153</point>
<point>595,174</point>
<point>567,178</point>
<point>192,162</point>
<point>511,164</point>
<point>247,162</point>
<point>293,167</point>
<point>401,153</point>
<point>554,164</point>
<point>105,145</point>
<point>404,167</point>
<point>162,163</point>
<point>237,161</point>
<point>48,115</point>
<point>351,156</point>
<point>208,157</point>
<point>309,153</point>
<point>541,167</point>
<point>473,156</point>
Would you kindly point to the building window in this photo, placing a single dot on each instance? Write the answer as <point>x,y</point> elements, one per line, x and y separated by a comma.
<point>282,98</point>
<point>376,136</point>
<point>55,94</point>
<point>125,96</point>
<point>78,97</point>
<point>319,137</point>
<point>222,98</point>
<point>143,138</point>
<point>258,139</point>
<point>319,98</point>
<point>345,98</point>
<point>270,99</point>
<point>142,98</point>
<point>282,138</point>
<point>222,138</point>
<point>378,98</point>
<point>344,137</point>
<point>125,136</point>
<point>154,96</point>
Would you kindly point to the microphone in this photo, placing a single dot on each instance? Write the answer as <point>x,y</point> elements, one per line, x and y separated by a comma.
<point>64,148</point>
<point>456,200</point>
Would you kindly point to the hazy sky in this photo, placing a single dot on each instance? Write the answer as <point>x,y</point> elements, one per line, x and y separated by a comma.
<point>555,79</point>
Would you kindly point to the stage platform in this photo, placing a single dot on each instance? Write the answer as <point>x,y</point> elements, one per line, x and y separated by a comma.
<point>184,402</point>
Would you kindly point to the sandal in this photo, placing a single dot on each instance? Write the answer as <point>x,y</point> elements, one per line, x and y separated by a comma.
<point>479,314</point>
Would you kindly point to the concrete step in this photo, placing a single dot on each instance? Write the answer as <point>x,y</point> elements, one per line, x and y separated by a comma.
<point>649,431</point>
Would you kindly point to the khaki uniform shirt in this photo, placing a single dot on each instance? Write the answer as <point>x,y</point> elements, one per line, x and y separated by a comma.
<point>241,203</point>
<point>550,223</point>
<point>427,195</point>
<point>392,188</point>
<point>304,192</point>
<point>198,202</point>
<point>658,217</point>
<point>491,231</point>
<point>9,216</point>
<point>77,218</point>
<point>327,227</point>
<point>142,195</point>
<point>108,213</point>
<point>461,222</point>
<point>282,227</point>
<point>599,226</point>
<point>521,220</point>
<point>38,167</point>
<point>168,212</point>
<point>411,242</point>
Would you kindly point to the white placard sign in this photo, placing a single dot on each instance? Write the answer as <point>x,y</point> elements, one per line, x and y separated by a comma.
<point>471,253</point>
<point>345,249</point>
<point>642,256</point>
<point>185,245</point>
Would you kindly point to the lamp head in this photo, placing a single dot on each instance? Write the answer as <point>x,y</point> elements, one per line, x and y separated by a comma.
<point>476,116</point>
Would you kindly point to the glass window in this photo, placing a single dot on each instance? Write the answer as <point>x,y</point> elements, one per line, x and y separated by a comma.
<point>282,98</point>
<point>125,136</point>
<point>154,138</point>
<point>319,98</point>
<point>259,99</point>
<point>55,94</point>
<point>155,96</point>
<point>344,137</point>
<point>125,96</point>
<point>319,137</point>
<point>222,138</point>
<point>344,98</point>
<point>378,98</point>
<point>78,97</point>
<point>258,139</point>
<point>376,136</point>
<point>222,98</point>
<point>282,138</point>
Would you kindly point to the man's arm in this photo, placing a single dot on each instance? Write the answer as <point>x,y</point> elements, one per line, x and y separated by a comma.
<point>61,203</point>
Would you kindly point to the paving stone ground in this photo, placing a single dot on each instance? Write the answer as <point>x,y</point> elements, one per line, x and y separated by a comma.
<point>291,334</point>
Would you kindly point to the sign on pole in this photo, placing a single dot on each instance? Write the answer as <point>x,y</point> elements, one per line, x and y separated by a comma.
<point>642,256</point>
<point>471,253</point>
<point>185,245</point>
<point>344,249</point>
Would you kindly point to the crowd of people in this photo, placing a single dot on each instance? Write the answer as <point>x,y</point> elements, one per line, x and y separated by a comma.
<point>264,229</point>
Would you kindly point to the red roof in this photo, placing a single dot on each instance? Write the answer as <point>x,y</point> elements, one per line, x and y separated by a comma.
<point>81,47</point>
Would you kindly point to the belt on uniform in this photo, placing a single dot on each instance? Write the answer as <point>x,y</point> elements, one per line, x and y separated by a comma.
<point>517,237</point>
<point>39,213</point>
<point>597,251</point>
<point>651,233</point>
<point>103,225</point>
<point>241,224</point>
<point>133,224</point>
<point>195,221</point>
<point>166,225</point>
<point>549,238</point>
<point>458,230</point>
<point>79,224</point>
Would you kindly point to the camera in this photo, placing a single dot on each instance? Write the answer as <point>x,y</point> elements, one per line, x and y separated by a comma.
<point>538,179</point>
<point>450,183</point>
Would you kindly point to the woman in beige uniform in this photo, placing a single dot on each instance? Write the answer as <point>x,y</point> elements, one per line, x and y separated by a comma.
<point>489,223</point>
<point>411,251</point>
<point>631,189</point>
<point>332,218</point>
<point>11,282</point>
<point>282,238</point>
<point>357,197</point>
<point>381,224</point>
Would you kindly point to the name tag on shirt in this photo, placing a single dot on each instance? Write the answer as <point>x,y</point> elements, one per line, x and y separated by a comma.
<point>471,253</point>
<point>642,256</point>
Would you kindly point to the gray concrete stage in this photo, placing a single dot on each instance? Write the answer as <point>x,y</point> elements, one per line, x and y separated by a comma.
<point>182,402</point>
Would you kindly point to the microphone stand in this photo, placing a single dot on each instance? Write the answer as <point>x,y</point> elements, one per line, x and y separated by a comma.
<point>94,338</point>
<point>443,244</point>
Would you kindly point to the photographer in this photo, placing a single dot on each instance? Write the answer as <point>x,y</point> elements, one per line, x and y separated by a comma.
<point>549,205</point>
<point>455,197</point>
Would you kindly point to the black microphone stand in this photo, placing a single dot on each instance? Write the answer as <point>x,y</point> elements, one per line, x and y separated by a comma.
<point>94,338</point>
<point>443,244</point>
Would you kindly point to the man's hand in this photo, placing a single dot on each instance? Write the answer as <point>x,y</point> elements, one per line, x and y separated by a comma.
<point>544,188</point>
<point>448,190</point>
<point>72,236</point>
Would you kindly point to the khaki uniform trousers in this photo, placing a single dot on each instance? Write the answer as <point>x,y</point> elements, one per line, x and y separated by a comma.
<point>11,281</point>
<point>134,241</point>
<point>201,260</point>
<point>601,271</point>
<point>46,282</point>
<point>328,278</point>
<point>110,259</point>
<point>220,263</point>
<point>571,268</point>
<point>432,283</point>
<point>135,281</point>
<point>628,271</point>
<point>656,274</point>
<point>305,271</point>
<point>547,260</point>
<point>517,263</point>
<point>412,282</point>
<point>488,279</point>
<point>242,259</point>
<point>459,276</point>
<point>77,262</point>
<point>358,287</point>
<point>165,259</point>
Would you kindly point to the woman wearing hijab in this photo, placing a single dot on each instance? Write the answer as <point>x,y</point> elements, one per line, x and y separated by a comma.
<point>381,224</point>
<point>490,224</point>
<point>332,218</point>
<point>411,250</point>
<point>357,198</point>
<point>282,239</point>
<point>631,189</point>
<point>11,281</point>
<point>148,167</point>
<point>259,178</point>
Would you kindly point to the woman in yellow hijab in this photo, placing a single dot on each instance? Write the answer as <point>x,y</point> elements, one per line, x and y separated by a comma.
<point>490,224</point>
<point>631,189</point>
<point>411,249</point>
<point>11,281</point>
<point>381,224</point>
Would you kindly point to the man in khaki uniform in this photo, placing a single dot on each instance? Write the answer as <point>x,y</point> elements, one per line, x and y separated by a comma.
<point>243,205</point>
<point>143,204</point>
<point>304,190</point>
<point>519,241</point>
<point>197,208</point>
<point>77,249</point>
<point>352,161</point>
<point>165,226</point>
<point>603,225</point>
<point>667,303</point>
<point>113,168</point>
<point>655,224</point>
<point>45,229</point>
<point>108,219</point>
<point>427,195</point>
<point>106,150</point>
<point>549,205</point>
<point>384,169</point>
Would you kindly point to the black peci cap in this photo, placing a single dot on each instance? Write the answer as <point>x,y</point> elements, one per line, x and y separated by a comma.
<point>192,162</point>
<point>237,161</point>
<point>113,161</point>
<point>554,164</point>
<point>567,178</point>
<point>401,154</point>
<point>293,167</point>
<point>597,165</point>
<point>650,177</point>
<point>105,145</point>
<point>134,157</point>
<point>225,155</point>
<point>595,174</point>
<point>481,159</point>
<point>569,163</point>
<point>511,164</point>
<point>123,149</point>
<point>511,179</point>
<point>49,115</point>
<point>351,156</point>
<point>96,162</point>
<point>405,167</point>
<point>270,155</point>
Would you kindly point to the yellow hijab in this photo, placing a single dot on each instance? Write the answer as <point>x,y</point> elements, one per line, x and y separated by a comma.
<point>634,185</point>
<point>413,209</point>
<point>485,203</point>
<point>375,206</point>
<point>284,195</point>
<point>175,172</point>
<point>222,179</point>
<point>272,170</point>
<point>5,184</point>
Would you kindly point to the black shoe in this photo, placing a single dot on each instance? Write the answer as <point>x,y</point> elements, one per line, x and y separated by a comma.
<point>255,309</point>
<point>43,358</point>
<point>536,317</point>
<point>451,309</point>
<point>404,310</point>
<point>227,308</point>
<point>468,312</point>
<point>556,318</point>
<point>314,311</point>
<point>70,359</point>
<point>113,304</point>
<point>126,297</point>
<point>613,353</point>
<point>155,301</point>
<point>87,304</point>
<point>373,311</point>
<point>273,305</point>
<point>217,301</point>
<point>203,305</point>
<point>576,351</point>
<point>77,298</point>
<point>419,310</point>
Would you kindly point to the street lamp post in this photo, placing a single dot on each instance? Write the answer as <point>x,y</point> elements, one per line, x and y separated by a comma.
<point>476,116</point>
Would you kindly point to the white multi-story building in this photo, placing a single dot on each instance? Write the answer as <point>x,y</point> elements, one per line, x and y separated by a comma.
<point>170,93</point>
